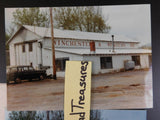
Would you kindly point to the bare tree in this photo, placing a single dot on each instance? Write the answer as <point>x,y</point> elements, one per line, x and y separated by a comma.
<point>88,19</point>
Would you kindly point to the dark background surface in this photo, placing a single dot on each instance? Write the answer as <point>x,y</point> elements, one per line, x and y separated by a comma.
<point>152,114</point>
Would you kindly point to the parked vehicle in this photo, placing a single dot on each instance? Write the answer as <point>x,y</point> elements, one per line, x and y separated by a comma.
<point>19,73</point>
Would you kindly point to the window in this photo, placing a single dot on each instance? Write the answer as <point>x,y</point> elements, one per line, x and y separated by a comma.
<point>23,48</point>
<point>106,62</point>
<point>136,59</point>
<point>30,47</point>
<point>61,63</point>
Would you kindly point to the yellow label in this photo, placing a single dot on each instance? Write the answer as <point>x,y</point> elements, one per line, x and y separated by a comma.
<point>77,90</point>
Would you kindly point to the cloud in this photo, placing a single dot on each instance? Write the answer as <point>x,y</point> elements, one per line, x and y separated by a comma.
<point>130,20</point>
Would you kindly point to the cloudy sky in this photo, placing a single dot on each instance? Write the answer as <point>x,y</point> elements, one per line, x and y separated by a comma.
<point>123,114</point>
<point>128,20</point>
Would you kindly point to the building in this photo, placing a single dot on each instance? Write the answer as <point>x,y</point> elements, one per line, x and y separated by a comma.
<point>32,45</point>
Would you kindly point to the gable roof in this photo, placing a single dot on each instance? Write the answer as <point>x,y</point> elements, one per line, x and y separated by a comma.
<point>70,34</point>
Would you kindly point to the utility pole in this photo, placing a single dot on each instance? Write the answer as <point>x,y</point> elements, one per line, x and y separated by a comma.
<point>53,48</point>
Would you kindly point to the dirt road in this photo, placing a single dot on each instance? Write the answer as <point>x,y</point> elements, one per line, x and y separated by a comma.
<point>124,90</point>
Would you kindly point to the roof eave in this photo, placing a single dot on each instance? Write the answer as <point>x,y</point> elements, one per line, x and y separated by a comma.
<point>114,54</point>
<point>22,27</point>
<point>14,35</point>
<point>93,40</point>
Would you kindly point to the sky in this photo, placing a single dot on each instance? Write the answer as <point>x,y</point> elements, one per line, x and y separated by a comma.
<point>123,114</point>
<point>133,21</point>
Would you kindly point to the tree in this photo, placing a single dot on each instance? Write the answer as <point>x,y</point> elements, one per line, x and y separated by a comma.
<point>30,16</point>
<point>46,115</point>
<point>36,115</point>
<point>22,115</point>
<point>95,115</point>
<point>7,38</point>
<point>9,32</point>
<point>88,19</point>
<point>57,115</point>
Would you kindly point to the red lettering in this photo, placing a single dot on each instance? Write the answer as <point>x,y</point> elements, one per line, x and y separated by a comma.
<point>54,42</point>
<point>117,45</point>
<point>71,43</point>
<point>74,43</point>
<point>99,44</point>
<point>132,44</point>
<point>79,43</point>
<point>86,43</point>
<point>109,44</point>
<point>83,43</point>
<point>123,44</point>
<point>58,42</point>
<point>63,43</point>
<point>67,43</point>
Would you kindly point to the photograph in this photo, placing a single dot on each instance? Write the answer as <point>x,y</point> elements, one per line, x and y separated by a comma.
<point>94,115</point>
<point>3,100</point>
<point>116,39</point>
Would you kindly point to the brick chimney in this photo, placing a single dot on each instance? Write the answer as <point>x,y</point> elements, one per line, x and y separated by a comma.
<point>92,47</point>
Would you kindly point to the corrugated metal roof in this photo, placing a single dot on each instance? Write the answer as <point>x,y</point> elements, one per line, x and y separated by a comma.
<point>103,51</point>
<point>46,32</point>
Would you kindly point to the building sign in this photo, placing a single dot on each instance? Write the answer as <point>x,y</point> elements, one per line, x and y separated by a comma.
<point>86,44</point>
<point>71,43</point>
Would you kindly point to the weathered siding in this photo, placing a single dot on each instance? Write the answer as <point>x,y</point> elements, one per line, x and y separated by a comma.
<point>95,63</point>
<point>69,43</point>
<point>12,54</point>
<point>16,55</point>
<point>118,61</point>
<point>144,60</point>
<point>27,57</point>
<point>47,59</point>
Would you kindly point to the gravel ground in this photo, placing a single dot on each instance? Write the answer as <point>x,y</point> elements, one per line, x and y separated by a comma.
<point>125,90</point>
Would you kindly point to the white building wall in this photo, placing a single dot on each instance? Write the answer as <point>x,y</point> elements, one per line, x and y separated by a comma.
<point>144,61</point>
<point>27,57</point>
<point>68,43</point>
<point>118,61</point>
<point>19,55</point>
<point>47,60</point>
<point>33,56</point>
<point>39,54</point>
<point>95,63</point>
<point>12,54</point>
<point>16,56</point>
<point>17,59</point>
